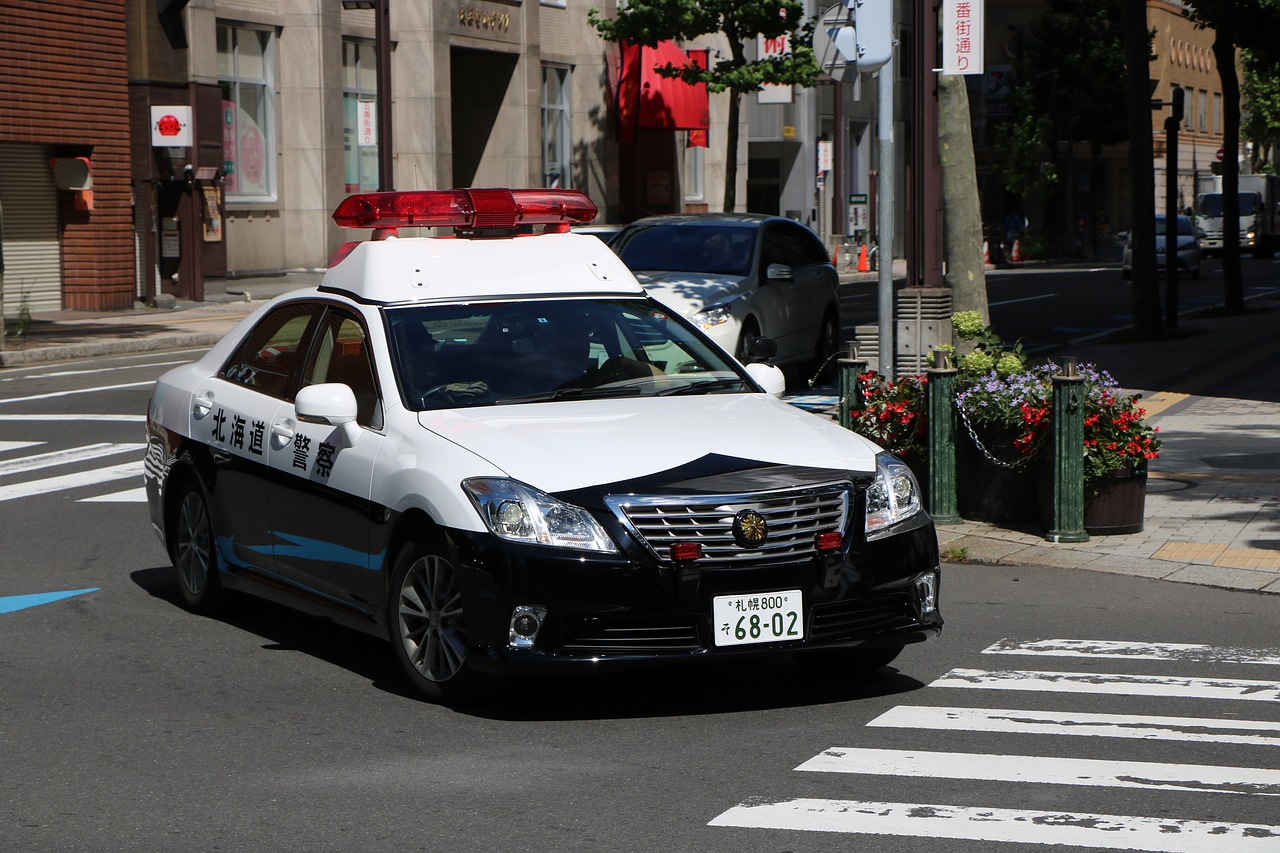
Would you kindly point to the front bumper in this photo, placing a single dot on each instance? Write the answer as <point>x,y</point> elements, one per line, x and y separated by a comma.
<point>627,610</point>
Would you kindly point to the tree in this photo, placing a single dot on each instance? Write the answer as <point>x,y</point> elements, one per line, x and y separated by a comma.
<point>647,22</point>
<point>962,231</point>
<point>1261,91</point>
<point>1147,322</point>
<point>1235,24</point>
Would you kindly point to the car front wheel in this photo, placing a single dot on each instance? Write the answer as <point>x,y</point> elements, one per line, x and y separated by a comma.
<point>429,629</point>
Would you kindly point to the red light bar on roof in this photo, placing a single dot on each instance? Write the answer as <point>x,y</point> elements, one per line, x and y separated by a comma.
<point>470,209</point>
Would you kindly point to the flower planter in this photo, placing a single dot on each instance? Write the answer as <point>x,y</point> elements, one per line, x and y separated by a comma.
<point>1116,503</point>
<point>993,493</point>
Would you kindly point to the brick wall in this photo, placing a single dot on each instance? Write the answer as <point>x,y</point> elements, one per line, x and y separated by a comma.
<point>64,83</point>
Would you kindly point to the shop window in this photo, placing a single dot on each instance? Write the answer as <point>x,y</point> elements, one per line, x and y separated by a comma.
<point>359,115</point>
<point>555,127</point>
<point>246,74</point>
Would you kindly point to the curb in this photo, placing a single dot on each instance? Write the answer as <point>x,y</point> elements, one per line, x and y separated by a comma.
<point>116,346</point>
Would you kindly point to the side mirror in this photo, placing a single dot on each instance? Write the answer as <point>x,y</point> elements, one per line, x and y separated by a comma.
<point>777,272</point>
<point>768,377</point>
<point>329,403</point>
<point>762,349</point>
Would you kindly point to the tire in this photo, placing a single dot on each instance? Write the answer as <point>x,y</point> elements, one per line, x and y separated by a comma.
<point>427,624</point>
<point>828,341</point>
<point>750,331</point>
<point>856,662</point>
<point>194,557</point>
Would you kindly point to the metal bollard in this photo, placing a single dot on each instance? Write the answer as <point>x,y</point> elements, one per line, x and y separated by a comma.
<point>850,388</point>
<point>1068,455</point>
<point>940,390</point>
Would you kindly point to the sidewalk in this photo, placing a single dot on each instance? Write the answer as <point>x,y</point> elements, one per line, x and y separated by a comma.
<point>1213,497</point>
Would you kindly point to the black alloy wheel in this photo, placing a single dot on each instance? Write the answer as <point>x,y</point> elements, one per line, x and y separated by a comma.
<point>194,556</point>
<point>428,627</point>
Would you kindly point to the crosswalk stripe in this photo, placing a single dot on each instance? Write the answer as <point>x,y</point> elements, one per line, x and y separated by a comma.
<point>1180,652</point>
<point>1048,770</point>
<point>1113,683</point>
<point>6,446</point>
<point>1186,729</point>
<point>1017,826</point>
<point>71,481</point>
<point>65,457</point>
<point>128,496</point>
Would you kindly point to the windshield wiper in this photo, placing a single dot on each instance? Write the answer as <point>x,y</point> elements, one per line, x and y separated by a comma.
<point>572,394</point>
<point>705,386</point>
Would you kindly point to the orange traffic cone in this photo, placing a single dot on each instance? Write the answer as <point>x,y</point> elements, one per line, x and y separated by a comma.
<point>1016,255</point>
<point>986,252</point>
<point>863,266</point>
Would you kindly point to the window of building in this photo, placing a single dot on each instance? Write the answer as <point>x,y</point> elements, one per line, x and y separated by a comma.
<point>1217,112</point>
<point>359,115</point>
<point>1201,105</point>
<point>694,158</point>
<point>246,74</point>
<point>555,126</point>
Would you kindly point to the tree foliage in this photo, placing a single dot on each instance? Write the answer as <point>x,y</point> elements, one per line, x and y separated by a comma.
<point>647,22</point>
<point>1261,90</point>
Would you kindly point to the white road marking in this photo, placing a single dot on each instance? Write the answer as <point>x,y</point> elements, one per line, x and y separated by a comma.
<point>1016,826</point>
<point>128,419</point>
<point>66,457</point>
<point>1113,683</point>
<point>129,496</point>
<point>54,394</point>
<point>60,373</point>
<point>1181,652</point>
<point>71,481</point>
<point>1187,729</point>
<point>920,764</point>
<point>17,445</point>
<point>1023,299</point>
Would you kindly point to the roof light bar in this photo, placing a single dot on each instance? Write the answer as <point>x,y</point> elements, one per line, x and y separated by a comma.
<point>469,209</point>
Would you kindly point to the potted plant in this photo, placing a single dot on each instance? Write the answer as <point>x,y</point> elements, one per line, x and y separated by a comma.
<point>892,414</point>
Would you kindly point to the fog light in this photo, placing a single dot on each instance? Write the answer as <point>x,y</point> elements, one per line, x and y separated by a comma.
<point>927,593</point>
<point>526,621</point>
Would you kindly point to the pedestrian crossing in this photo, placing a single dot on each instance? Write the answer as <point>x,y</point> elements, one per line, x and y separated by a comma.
<point>15,470</point>
<point>938,772</point>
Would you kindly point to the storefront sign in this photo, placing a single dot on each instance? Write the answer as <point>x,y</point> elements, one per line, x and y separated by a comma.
<point>171,127</point>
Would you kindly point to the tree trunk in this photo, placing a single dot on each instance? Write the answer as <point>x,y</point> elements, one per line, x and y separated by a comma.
<point>1147,320</point>
<point>731,154</point>
<point>962,226</point>
<point>1224,52</point>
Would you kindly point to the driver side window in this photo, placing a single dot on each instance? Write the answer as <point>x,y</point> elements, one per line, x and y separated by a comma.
<point>341,354</point>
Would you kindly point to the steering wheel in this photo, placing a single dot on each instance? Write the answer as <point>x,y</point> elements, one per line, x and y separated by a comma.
<point>441,392</point>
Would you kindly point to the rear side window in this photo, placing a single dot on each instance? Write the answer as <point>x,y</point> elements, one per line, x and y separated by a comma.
<point>267,358</point>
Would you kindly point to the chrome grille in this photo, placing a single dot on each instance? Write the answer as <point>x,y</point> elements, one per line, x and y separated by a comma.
<point>793,516</point>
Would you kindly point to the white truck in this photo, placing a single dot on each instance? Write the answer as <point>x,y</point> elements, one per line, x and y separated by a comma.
<point>1259,222</point>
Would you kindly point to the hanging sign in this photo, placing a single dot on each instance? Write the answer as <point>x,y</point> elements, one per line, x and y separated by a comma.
<point>962,36</point>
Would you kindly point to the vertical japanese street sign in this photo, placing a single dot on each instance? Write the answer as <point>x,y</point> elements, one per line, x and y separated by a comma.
<point>774,93</point>
<point>962,36</point>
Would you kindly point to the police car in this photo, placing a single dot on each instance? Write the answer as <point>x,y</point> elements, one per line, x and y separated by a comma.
<point>493,449</point>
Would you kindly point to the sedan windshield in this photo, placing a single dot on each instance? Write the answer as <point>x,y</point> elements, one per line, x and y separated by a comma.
<point>714,248</point>
<point>486,354</point>
<point>1184,226</point>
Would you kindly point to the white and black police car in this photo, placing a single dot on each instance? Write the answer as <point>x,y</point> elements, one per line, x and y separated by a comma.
<point>494,450</point>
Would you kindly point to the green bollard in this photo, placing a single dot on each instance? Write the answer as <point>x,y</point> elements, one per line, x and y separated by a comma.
<point>940,390</point>
<point>1068,455</point>
<point>850,388</point>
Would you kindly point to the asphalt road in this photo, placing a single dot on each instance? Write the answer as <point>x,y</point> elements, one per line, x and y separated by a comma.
<point>129,724</point>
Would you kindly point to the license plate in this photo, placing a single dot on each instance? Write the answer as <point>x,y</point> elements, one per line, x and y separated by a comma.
<point>765,617</point>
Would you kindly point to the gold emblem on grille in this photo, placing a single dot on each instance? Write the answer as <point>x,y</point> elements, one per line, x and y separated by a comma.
<point>749,529</point>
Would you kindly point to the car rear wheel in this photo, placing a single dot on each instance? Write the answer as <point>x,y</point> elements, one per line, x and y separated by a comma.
<point>193,550</point>
<point>429,628</point>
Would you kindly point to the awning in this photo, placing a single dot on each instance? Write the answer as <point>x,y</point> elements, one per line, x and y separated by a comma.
<point>646,99</point>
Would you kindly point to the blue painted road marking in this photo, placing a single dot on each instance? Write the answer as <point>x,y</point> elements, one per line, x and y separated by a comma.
<point>11,603</point>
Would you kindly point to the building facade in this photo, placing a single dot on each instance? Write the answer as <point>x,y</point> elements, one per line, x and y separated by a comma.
<point>66,239</point>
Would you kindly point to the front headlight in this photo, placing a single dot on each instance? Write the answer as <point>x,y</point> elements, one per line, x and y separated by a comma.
<point>520,513</point>
<point>893,498</point>
<point>709,318</point>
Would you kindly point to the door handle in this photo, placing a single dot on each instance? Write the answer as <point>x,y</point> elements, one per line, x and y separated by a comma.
<point>202,405</point>
<point>282,432</point>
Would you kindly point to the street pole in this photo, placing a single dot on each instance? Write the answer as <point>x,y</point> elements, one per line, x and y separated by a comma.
<point>884,218</point>
<point>382,75</point>
<point>1171,124</point>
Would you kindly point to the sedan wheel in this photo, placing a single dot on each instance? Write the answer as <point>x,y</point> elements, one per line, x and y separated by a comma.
<point>430,629</point>
<point>193,550</point>
<point>828,342</point>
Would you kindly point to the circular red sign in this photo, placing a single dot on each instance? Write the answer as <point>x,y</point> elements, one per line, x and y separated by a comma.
<point>169,125</point>
<point>1221,151</point>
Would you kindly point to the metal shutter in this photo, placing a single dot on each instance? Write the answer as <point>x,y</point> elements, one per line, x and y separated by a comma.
<point>29,230</point>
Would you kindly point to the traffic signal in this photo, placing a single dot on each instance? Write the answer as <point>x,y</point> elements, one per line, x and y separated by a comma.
<point>873,24</point>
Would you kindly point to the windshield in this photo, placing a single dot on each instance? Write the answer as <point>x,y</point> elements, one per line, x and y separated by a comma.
<point>715,248</point>
<point>1184,225</point>
<point>486,354</point>
<point>1211,204</point>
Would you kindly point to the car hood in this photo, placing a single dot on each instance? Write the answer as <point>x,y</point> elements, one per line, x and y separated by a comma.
<point>690,292</point>
<point>561,446</point>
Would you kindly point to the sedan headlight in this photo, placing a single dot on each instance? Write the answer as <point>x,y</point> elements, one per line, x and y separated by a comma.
<point>893,498</point>
<point>520,513</point>
<point>709,318</point>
